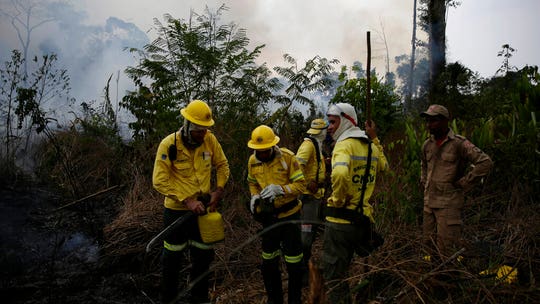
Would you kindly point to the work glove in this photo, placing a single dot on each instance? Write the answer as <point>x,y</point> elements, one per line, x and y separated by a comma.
<point>271,191</point>
<point>504,273</point>
<point>252,206</point>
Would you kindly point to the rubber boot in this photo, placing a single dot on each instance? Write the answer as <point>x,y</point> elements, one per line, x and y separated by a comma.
<point>295,283</point>
<point>307,240</point>
<point>201,260</point>
<point>170,268</point>
<point>272,281</point>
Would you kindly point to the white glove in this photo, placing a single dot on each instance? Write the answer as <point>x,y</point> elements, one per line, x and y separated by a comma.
<point>271,191</point>
<point>254,198</point>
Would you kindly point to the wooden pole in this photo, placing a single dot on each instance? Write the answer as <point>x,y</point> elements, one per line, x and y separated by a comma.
<point>368,76</point>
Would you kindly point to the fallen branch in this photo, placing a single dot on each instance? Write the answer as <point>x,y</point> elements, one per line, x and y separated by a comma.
<point>87,197</point>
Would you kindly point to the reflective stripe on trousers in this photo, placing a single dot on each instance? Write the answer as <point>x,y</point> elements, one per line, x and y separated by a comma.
<point>288,258</point>
<point>190,243</point>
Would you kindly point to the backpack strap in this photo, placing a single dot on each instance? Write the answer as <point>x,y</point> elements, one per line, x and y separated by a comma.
<point>365,178</point>
<point>318,152</point>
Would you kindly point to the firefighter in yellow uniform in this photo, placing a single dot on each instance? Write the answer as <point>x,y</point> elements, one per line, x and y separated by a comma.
<point>312,163</point>
<point>349,215</point>
<point>182,173</point>
<point>275,181</point>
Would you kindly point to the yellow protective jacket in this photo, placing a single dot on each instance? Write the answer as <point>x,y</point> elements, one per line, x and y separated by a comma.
<point>190,174</point>
<point>307,158</point>
<point>349,160</point>
<point>447,172</point>
<point>283,170</point>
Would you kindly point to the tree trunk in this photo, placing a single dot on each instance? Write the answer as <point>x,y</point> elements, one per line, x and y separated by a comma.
<point>408,97</point>
<point>437,46</point>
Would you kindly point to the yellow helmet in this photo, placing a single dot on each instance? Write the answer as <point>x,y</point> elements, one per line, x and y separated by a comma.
<point>198,112</point>
<point>317,125</point>
<point>263,138</point>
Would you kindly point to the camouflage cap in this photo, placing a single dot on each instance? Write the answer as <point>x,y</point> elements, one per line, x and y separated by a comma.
<point>435,110</point>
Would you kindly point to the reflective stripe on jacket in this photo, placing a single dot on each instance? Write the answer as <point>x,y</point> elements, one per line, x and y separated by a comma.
<point>283,170</point>
<point>189,175</point>
<point>445,173</point>
<point>349,160</point>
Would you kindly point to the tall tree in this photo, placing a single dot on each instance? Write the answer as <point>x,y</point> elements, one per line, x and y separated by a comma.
<point>314,76</point>
<point>409,91</point>
<point>25,16</point>
<point>434,23</point>
<point>200,58</point>
<point>387,51</point>
<point>195,59</point>
<point>507,52</point>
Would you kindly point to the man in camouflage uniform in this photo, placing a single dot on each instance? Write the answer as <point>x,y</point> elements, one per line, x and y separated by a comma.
<point>451,165</point>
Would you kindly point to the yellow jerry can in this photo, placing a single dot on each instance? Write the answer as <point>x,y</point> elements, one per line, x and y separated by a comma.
<point>211,227</point>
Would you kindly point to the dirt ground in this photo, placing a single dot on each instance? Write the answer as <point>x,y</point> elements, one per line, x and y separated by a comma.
<point>59,255</point>
<point>52,256</point>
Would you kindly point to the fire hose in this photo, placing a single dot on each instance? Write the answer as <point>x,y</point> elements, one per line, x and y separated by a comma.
<point>179,221</point>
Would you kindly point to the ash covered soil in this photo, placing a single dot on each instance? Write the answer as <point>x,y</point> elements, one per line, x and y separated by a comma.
<point>51,255</point>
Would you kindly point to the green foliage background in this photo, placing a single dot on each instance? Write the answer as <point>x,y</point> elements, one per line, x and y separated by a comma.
<point>201,58</point>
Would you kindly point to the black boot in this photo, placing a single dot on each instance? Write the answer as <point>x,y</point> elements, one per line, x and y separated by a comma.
<point>272,281</point>
<point>201,260</point>
<point>170,269</point>
<point>295,283</point>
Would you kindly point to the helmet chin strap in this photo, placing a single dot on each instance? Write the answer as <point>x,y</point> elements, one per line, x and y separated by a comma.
<point>321,136</point>
<point>268,157</point>
<point>189,142</point>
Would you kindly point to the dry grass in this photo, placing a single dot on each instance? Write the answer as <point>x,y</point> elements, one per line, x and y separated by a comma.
<point>395,273</point>
<point>140,218</point>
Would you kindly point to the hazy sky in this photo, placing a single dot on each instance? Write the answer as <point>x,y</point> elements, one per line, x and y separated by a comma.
<point>476,29</point>
<point>303,29</point>
<point>91,43</point>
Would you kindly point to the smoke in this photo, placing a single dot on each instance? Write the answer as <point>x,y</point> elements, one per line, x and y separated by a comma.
<point>90,53</point>
<point>90,45</point>
<point>331,29</point>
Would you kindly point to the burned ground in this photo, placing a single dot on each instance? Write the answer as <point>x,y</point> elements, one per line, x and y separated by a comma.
<point>53,256</point>
<point>94,252</point>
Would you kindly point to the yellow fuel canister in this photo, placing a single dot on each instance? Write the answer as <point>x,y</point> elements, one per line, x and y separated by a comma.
<point>211,227</point>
